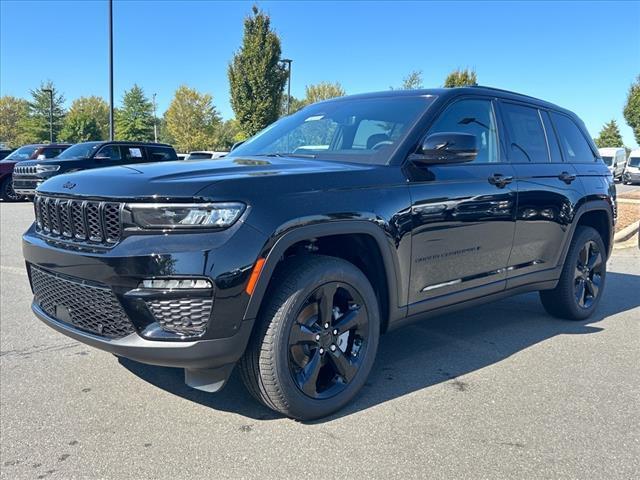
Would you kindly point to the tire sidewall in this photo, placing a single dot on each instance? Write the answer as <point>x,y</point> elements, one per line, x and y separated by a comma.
<point>300,405</point>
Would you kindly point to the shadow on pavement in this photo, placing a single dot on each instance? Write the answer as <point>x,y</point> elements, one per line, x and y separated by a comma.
<point>436,350</point>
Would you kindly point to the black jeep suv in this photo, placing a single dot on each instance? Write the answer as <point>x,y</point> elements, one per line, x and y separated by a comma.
<point>293,254</point>
<point>28,175</point>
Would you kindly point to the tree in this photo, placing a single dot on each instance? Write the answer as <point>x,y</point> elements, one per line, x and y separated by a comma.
<point>227,134</point>
<point>412,81</point>
<point>632,109</point>
<point>609,136</point>
<point>13,115</point>
<point>256,75</point>
<point>134,121</point>
<point>461,78</point>
<point>323,91</point>
<point>36,126</point>
<point>192,120</point>
<point>87,119</point>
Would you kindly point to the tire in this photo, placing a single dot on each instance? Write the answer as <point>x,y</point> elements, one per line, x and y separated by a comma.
<point>279,371</point>
<point>581,283</point>
<point>6,190</point>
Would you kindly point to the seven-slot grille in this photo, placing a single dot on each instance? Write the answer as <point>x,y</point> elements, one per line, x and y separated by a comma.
<point>25,170</point>
<point>81,221</point>
<point>87,307</point>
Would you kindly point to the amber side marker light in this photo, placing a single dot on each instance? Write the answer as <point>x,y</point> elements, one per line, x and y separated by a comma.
<point>255,274</point>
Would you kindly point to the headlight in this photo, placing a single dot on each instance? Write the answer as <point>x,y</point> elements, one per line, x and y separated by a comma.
<point>185,215</point>
<point>47,168</point>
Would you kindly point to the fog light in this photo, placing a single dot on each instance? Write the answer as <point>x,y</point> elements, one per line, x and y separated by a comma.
<point>173,284</point>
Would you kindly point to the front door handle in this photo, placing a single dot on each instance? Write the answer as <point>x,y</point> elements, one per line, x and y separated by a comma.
<point>500,180</point>
<point>567,177</point>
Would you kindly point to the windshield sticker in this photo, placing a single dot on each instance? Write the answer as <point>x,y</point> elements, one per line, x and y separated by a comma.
<point>314,118</point>
<point>135,152</point>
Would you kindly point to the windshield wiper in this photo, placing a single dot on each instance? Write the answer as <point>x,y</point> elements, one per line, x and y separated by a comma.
<point>285,154</point>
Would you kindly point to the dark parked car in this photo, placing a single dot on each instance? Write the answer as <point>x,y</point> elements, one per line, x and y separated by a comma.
<point>36,151</point>
<point>83,156</point>
<point>349,218</point>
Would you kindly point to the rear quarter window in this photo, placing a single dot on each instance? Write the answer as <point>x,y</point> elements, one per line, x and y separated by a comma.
<point>161,154</point>
<point>573,143</point>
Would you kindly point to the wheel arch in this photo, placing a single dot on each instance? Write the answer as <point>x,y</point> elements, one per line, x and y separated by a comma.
<point>593,213</point>
<point>386,264</point>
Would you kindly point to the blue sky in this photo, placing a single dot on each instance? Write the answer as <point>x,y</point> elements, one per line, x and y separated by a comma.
<point>580,55</point>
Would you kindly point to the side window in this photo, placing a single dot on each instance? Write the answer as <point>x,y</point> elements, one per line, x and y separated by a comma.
<point>552,139</point>
<point>132,154</point>
<point>160,154</point>
<point>476,118</point>
<point>527,140</point>
<point>111,152</point>
<point>572,142</point>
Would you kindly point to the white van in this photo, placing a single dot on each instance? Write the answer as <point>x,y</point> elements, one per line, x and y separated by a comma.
<point>615,160</point>
<point>632,170</point>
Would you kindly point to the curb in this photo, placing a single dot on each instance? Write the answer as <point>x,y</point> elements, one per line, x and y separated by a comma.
<point>626,233</point>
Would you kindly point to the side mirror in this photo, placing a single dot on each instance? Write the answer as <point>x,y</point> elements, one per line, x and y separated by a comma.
<point>447,147</point>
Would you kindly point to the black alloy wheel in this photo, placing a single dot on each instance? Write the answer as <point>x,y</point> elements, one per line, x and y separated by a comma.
<point>588,274</point>
<point>328,340</point>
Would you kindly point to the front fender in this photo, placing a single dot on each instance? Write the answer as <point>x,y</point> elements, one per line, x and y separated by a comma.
<point>383,239</point>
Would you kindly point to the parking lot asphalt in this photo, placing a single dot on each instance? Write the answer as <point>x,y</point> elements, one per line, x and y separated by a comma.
<point>497,391</point>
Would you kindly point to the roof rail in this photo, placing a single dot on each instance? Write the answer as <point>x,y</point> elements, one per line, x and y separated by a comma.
<point>503,90</point>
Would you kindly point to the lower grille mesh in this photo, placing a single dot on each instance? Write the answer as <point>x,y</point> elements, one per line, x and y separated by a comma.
<point>184,316</point>
<point>86,307</point>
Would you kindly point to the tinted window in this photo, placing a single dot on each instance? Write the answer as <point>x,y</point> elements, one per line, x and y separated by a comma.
<point>111,152</point>
<point>552,139</point>
<point>474,117</point>
<point>634,162</point>
<point>51,152</point>
<point>132,154</point>
<point>159,154</point>
<point>327,130</point>
<point>23,153</point>
<point>527,140</point>
<point>80,150</point>
<point>200,156</point>
<point>607,160</point>
<point>572,142</point>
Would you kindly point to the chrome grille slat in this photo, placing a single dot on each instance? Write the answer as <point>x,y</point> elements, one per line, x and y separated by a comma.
<point>74,221</point>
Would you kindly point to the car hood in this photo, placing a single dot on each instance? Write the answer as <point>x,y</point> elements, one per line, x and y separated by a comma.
<point>186,179</point>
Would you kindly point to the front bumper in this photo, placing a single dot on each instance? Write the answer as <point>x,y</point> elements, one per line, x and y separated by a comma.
<point>199,354</point>
<point>26,185</point>
<point>226,261</point>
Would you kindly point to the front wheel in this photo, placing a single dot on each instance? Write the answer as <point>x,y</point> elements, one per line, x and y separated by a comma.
<point>7,193</point>
<point>582,280</point>
<point>317,339</point>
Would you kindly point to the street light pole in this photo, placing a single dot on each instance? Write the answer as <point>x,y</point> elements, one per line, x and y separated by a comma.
<point>155,126</point>
<point>111,136</point>
<point>50,92</point>
<point>288,62</point>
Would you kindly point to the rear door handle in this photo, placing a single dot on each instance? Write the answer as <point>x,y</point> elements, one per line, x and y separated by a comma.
<point>500,180</point>
<point>567,177</point>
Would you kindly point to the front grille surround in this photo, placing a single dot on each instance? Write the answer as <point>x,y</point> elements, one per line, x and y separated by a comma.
<point>84,306</point>
<point>78,221</point>
<point>25,170</point>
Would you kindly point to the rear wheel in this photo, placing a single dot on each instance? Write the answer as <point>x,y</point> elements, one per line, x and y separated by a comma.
<point>317,341</point>
<point>582,280</point>
<point>6,190</point>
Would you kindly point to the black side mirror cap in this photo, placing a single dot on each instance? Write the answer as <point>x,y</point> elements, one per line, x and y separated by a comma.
<point>447,147</point>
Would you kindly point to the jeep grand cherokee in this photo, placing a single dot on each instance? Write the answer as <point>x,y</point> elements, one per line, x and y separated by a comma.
<point>293,254</point>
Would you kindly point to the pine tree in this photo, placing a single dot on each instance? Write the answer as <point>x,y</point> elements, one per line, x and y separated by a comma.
<point>134,120</point>
<point>609,136</point>
<point>256,75</point>
<point>36,127</point>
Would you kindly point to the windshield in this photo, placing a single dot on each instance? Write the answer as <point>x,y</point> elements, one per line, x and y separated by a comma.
<point>607,160</point>
<point>361,130</point>
<point>23,153</point>
<point>80,150</point>
<point>634,162</point>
